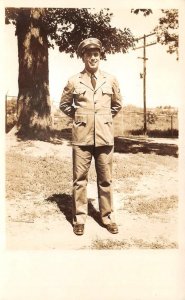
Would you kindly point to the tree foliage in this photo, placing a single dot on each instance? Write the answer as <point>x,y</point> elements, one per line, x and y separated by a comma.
<point>167,29</point>
<point>146,12</point>
<point>37,29</point>
<point>67,27</point>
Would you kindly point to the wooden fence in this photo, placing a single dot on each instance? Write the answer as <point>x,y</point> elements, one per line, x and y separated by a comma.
<point>160,123</point>
<point>128,123</point>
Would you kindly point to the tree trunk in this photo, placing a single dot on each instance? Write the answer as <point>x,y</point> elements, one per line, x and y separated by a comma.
<point>34,109</point>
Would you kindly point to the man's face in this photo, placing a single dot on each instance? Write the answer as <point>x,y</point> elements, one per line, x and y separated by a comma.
<point>91,58</point>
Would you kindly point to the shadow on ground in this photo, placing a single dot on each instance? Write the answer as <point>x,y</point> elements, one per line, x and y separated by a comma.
<point>57,136</point>
<point>123,145</point>
<point>64,203</point>
<point>54,136</point>
<point>156,133</point>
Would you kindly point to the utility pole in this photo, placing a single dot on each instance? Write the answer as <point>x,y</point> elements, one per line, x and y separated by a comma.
<point>144,73</point>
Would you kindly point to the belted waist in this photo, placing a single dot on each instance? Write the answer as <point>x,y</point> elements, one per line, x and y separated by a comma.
<point>91,111</point>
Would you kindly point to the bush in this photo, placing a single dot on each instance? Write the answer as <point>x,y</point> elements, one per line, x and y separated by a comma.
<point>11,114</point>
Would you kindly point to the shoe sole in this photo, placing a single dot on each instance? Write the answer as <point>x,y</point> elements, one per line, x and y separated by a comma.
<point>79,233</point>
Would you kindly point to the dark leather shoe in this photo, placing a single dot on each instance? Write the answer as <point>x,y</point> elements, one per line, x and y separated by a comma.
<point>112,228</point>
<point>78,229</point>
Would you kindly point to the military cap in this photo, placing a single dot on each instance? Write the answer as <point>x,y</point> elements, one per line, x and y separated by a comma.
<point>90,43</point>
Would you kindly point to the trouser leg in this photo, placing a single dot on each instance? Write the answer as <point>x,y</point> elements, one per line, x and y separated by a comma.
<point>103,163</point>
<point>82,156</point>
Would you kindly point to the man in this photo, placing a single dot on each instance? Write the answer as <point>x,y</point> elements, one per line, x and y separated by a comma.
<point>92,98</point>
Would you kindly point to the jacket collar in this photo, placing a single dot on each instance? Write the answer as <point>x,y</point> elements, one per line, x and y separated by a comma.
<point>84,77</point>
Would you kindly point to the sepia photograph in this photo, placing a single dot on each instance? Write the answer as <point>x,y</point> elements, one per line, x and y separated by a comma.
<point>62,177</point>
<point>92,99</point>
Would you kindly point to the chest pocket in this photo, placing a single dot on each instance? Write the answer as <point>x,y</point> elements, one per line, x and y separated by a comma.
<point>107,90</point>
<point>79,91</point>
<point>79,97</point>
<point>107,94</point>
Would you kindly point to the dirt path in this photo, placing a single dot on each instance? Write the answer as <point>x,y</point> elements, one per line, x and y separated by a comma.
<point>53,231</point>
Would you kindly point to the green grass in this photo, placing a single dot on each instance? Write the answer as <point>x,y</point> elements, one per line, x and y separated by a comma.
<point>31,180</point>
<point>46,175</point>
<point>49,175</point>
<point>154,205</point>
<point>136,165</point>
<point>108,244</point>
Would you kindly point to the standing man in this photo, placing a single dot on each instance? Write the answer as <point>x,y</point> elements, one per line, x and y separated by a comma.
<point>92,98</point>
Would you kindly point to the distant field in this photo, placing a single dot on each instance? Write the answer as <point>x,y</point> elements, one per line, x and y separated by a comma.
<point>126,123</point>
<point>158,124</point>
<point>161,122</point>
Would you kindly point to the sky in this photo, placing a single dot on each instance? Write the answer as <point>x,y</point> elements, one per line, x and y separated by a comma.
<point>162,69</point>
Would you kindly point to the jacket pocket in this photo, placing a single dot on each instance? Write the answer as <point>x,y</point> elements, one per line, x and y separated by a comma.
<point>80,120</point>
<point>79,91</point>
<point>107,94</point>
<point>107,130</point>
<point>107,90</point>
<point>79,97</point>
<point>107,119</point>
<point>79,129</point>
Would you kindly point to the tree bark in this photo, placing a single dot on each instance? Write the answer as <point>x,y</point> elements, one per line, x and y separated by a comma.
<point>34,108</point>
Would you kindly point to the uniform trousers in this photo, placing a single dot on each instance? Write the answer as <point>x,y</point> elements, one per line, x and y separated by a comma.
<point>82,157</point>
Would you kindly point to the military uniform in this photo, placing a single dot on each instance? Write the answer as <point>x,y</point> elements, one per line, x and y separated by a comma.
<point>92,111</point>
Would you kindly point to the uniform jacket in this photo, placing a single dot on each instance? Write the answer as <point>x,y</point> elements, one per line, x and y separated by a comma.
<point>92,110</point>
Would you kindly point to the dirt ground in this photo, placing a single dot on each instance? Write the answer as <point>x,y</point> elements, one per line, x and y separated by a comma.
<point>53,231</point>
